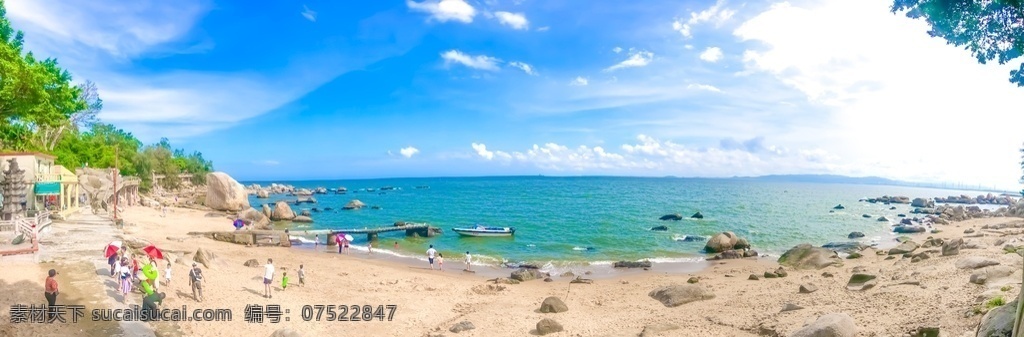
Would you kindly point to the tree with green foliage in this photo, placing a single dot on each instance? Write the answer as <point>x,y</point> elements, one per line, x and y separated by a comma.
<point>989,29</point>
<point>41,110</point>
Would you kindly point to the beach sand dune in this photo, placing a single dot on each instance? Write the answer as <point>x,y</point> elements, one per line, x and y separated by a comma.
<point>908,295</point>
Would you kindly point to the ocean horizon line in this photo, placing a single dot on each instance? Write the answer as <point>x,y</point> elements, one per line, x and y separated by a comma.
<point>794,178</point>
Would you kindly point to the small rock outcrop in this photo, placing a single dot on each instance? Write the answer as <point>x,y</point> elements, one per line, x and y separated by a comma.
<point>659,228</point>
<point>923,203</point>
<point>808,288</point>
<point>725,241</point>
<point>903,248</point>
<point>831,325</point>
<point>282,211</point>
<point>652,330</point>
<point>252,263</point>
<point>952,247</point>
<point>547,326</point>
<point>860,282</point>
<point>975,262</point>
<point>524,274</point>
<point>679,294</point>
<point>354,204</point>
<point>998,321</point>
<point>254,218</point>
<point>553,305</point>
<point>303,219</point>
<point>675,217</point>
<point>204,257</point>
<point>839,206</point>
<point>223,193</point>
<point>854,235</point>
<point>986,274</point>
<point>697,216</point>
<point>805,256</point>
<point>462,326</point>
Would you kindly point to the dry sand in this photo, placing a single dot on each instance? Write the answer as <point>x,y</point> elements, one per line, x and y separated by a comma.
<point>430,302</point>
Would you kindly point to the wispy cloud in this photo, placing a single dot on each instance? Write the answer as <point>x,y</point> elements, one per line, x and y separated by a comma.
<point>617,50</point>
<point>267,163</point>
<point>653,156</point>
<point>514,20</point>
<point>482,62</point>
<point>716,13</point>
<point>526,68</point>
<point>543,29</point>
<point>308,13</point>
<point>712,54</point>
<point>703,87</point>
<point>444,10</point>
<point>408,152</point>
<point>580,81</point>
<point>637,58</point>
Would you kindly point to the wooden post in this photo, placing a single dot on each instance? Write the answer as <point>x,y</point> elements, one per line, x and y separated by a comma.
<point>115,183</point>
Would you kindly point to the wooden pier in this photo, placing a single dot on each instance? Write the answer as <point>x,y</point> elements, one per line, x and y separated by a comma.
<point>422,230</point>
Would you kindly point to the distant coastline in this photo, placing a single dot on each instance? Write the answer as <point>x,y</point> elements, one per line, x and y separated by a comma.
<point>788,178</point>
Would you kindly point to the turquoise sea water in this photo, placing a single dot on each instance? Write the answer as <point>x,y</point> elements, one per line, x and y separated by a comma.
<point>558,217</point>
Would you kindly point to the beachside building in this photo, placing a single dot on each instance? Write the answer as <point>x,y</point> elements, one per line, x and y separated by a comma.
<point>50,187</point>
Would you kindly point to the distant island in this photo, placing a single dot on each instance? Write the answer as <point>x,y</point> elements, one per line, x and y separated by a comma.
<point>839,179</point>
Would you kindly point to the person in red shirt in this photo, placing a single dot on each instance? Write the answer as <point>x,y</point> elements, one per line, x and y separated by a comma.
<point>51,292</point>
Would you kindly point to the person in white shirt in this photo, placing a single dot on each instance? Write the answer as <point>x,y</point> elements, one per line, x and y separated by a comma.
<point>430,256</point>
<point>469,260</point>
<point>268,276</point>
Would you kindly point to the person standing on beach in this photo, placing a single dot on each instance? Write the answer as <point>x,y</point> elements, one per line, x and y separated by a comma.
<point>369,247</point>
<point>430,256</point>
<point>284,280</point>
<point>167,273</point>
<point>469,261</point>
<point>316,242</point>
<point>195,280</point>
<point>396,246</point>
<point>268,276</point>
<point>111,261</point>
<point>337,240</point>
<point>51,292</point>
<point>440,261</point>
<point>125,280</point>
<point>302,276</point>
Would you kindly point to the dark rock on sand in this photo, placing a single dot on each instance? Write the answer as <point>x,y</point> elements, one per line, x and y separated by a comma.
<point>754,277</point>
<point>693,280</point>
<point>252,263</point>
<point>547,326</point>
<point>952,247</point>
<point>632,264</point>
<point>805,256</point>
<point>845,247</point>
<point>553,304</point>
<point>790,307</point>
<point>679,294</point>
<point>903,248</point>
<point>807,288</point>
<point>524,274</point>
<point>909,229</point>
<point>860,282</point>
<point>462,326</point>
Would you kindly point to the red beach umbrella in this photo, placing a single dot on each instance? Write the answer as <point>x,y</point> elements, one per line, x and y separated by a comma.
<point>154,252</point>
<point>112,248</point>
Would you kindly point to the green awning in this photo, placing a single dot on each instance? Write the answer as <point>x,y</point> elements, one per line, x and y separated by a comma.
<point>48,188</point>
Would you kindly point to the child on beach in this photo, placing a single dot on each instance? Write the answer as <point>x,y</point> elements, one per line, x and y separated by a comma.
<point>316,242</point>
<point>167,273</point>
<point>284,281</point>
<point>369,247</point>
<point>302,276</point>
<point>440,261</point>
<point>125,275</point>
<point>469,260</point>
<point>396,245</point>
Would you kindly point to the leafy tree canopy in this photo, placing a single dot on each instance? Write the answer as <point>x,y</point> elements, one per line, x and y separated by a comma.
<point>992,30</point>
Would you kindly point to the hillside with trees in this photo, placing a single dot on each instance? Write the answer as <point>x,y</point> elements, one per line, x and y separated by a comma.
<point>42,109</point>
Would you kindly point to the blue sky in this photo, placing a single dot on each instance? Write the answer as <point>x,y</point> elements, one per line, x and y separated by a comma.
<point>344,89</point>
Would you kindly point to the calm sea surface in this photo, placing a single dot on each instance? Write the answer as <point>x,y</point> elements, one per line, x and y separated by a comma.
<point>557,219</point>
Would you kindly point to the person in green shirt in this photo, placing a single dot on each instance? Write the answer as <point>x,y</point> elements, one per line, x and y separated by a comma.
<point>284,280</point>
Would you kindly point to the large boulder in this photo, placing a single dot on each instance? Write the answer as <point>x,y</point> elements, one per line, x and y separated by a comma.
<point>254,218</point>
<point>204,257</point>
<point>524,274</point>
<point>903,248</point>
<point>266,211</point>
<point>282,212</point>
<point>547,325</point>
<point>725,241</point>
<point>998,321</point>
<point>984,275</point>
<point>805,256</point>
<point>923,203</point>
<point>831,325</point>
<point>354,204</point>
<point>262,194</point>
<point>303,219</point>
<point>952,247</point>
<point>223,193</point>
<point>679,294</point>
<point>975,262</point>
<point>675,217</point>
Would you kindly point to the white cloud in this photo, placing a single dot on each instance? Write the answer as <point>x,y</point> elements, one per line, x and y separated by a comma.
<point>580,81</point>
<point>712,54</point>
<point>617,50</point>
<point>482,62</point>
<point>716,13</point>
<point>688,47</point>
<point>891,85</point>
<point>514,20</point>
<point>445,10</point>
<point>408,152</point>
<point>703,87</point>
<point>651,156</point>
<point>636,59</point>
<point>308,13</point>
<point>526,68</point>
<point>543,29</point>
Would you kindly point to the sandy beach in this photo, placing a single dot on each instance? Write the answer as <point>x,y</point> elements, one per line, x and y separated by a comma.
<point>909,295</point>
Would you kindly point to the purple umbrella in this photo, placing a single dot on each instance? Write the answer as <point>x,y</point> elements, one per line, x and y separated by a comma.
<point>239,223</point>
